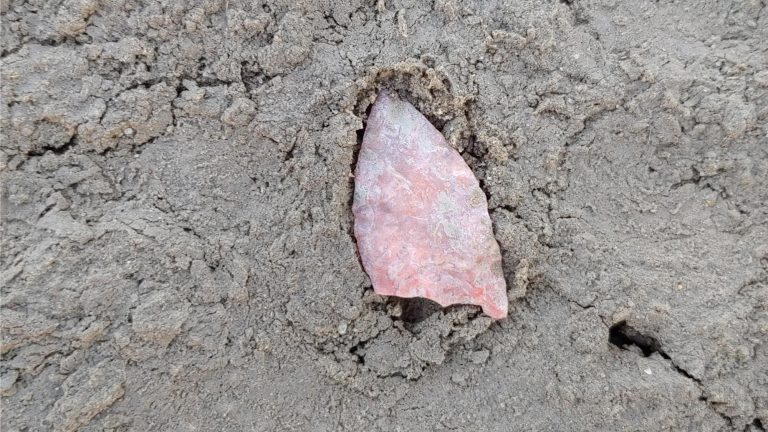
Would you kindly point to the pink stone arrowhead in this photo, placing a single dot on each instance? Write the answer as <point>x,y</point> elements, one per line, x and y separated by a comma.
<point>421,219</point>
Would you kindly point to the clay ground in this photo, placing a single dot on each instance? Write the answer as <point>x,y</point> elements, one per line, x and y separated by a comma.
<point>176,226</point>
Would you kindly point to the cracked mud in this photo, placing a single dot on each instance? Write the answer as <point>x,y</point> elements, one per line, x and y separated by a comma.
<point>177,249</point>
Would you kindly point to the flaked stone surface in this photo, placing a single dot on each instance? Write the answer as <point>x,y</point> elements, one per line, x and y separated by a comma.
<point>421,219</point>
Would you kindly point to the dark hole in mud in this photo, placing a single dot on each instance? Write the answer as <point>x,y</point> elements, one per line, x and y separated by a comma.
<point>623,335</point>
<point>360,134</point>
<point>415,310</point>
<point>758,424</point>
<point>355,351</point>
<point>437,122</point>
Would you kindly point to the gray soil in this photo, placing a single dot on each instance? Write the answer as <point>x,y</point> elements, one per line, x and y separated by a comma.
<point>176,227</point>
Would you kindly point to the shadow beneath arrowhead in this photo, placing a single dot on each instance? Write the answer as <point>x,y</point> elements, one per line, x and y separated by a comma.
<point>417,309</point>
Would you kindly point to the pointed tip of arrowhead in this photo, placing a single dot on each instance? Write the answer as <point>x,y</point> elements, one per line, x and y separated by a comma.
<point>384,98</point>
<point>383,94</point>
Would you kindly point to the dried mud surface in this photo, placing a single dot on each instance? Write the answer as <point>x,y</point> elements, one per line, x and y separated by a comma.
<point>176,225</point>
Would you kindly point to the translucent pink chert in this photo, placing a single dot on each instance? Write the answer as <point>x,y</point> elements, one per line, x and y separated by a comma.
<point>421,219</point>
